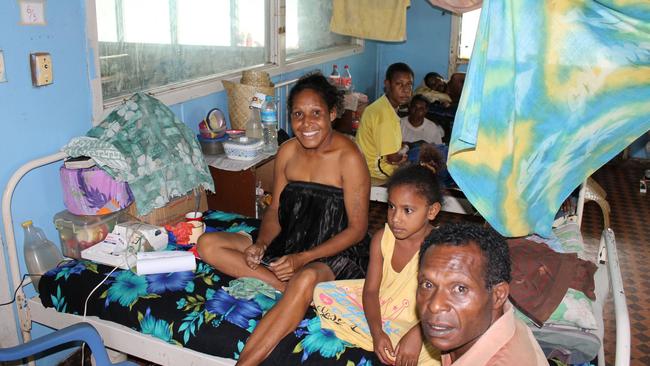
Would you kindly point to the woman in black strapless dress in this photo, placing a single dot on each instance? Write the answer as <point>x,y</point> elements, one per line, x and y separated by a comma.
<point>315,229</point>
<point>311,213</point>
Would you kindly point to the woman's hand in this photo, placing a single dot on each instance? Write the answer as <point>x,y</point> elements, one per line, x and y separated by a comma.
<point>383,348</point>
<point>253,255</point>
<point>286,266</point>
<point>408,349</point>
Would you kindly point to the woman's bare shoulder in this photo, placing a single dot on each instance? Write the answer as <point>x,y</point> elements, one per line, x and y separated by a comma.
<point>353,164</point>
<point>288,148</point>
<point>347,147</point>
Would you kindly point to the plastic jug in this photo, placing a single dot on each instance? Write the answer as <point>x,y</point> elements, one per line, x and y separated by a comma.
<point>41,254</point>
<point>254,125</point>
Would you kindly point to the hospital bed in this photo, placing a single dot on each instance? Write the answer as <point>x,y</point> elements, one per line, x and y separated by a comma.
<point>123,339</point>
<point>126,340</point>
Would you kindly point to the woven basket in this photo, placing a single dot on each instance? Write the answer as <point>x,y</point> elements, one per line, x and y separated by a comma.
<point>239,99</point>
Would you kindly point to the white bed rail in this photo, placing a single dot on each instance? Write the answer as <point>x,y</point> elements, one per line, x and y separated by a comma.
<point>7,220</point>
<point>620,304</point>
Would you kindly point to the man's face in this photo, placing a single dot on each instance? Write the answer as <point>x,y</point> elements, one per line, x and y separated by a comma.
<point>417,111</point>
<point>399,88</point>
<point>454,306</point>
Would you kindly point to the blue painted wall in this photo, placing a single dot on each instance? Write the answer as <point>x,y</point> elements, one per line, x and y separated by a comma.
<point>426,47</point>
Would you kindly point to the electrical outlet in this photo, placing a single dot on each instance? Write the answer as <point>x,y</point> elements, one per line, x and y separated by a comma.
<point>41,64</point>
<point>3,77</point>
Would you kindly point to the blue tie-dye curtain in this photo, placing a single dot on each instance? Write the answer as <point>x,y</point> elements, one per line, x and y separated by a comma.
<point>554,90</point>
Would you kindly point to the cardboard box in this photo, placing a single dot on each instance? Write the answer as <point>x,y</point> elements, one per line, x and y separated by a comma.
<point>174,212</point>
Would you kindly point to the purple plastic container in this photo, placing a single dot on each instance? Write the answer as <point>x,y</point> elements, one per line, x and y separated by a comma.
<point>91,191</point>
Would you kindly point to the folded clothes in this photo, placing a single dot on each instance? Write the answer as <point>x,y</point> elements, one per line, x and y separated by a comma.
<point>541,278</point>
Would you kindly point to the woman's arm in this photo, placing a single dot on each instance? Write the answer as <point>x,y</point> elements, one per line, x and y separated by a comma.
<point>270,227</point>
<point>382,345</point>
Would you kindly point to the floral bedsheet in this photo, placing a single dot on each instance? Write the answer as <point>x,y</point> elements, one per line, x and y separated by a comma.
<point>201,310</point>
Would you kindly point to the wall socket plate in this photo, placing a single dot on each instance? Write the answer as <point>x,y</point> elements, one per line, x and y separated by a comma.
<point>41,65</point>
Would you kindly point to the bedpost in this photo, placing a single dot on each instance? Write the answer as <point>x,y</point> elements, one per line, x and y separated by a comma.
<point>10,241</point>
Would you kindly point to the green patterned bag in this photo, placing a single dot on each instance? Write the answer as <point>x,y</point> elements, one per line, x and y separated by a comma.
<point>143,143</point>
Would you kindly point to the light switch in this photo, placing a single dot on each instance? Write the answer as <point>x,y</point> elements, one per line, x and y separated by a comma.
<point>32,12</point>
<point>3,77</point>
<point>41,63</point>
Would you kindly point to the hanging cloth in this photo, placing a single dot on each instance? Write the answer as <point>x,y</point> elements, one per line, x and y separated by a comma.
<point>457,6</point>
<point>554,90</point>
<point>381,20</point>
<point>142,142</point>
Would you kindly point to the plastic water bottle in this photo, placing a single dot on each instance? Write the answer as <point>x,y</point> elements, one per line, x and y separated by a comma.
<point>41,255</point>
<point>270,125</point>
<point>335,77</point>
<point>346,79</point>
<point>254,125</point>
<point>259,200</point>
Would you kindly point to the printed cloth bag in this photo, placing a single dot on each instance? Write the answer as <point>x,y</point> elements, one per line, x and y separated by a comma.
<point>91,191</point>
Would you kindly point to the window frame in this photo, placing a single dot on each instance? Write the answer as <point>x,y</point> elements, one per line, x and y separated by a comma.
<point>454,45</point>
<point>184,91</point>
<point>455,61</point>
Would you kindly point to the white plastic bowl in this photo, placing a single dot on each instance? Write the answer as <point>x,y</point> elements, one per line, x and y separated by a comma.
<point>243,148</point>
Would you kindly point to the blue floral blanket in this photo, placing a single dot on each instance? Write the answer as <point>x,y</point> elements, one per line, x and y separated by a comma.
<point>200,310</point>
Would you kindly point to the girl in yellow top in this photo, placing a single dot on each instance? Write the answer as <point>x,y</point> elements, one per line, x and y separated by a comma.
<point>378,314</point>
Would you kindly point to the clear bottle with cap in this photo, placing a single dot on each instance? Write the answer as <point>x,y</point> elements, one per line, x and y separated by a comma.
<point>259,200</point>
<point>270,125</point>
<point>41,255</point>
<point>254,125</point>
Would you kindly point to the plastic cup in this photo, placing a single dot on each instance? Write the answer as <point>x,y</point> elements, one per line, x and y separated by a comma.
<point>194,216</point>
<point>198,228</point>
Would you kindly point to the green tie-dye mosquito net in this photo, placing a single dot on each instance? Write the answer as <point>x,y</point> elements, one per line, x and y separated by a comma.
<point>554,90</point>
